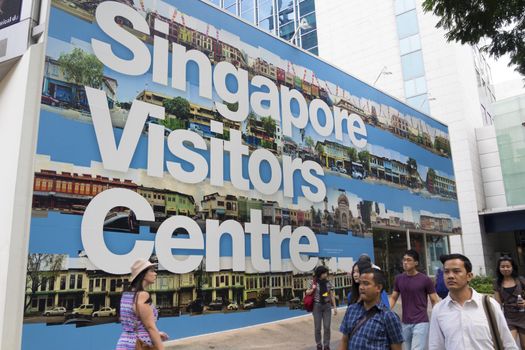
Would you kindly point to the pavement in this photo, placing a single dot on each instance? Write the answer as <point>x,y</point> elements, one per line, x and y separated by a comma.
<point>296,333</point>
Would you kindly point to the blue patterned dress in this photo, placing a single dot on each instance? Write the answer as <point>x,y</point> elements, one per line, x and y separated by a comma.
<point>128,319</point>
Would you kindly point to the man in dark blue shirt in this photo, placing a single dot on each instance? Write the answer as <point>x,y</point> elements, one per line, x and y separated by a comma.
<point>368,324</point>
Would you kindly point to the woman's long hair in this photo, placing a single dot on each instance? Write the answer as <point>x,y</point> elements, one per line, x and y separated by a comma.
<point>499,275</point>
<point>136,286</point>
<point>361,266</point>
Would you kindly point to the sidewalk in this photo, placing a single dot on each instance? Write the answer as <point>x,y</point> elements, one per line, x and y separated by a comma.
<point>296,333</point>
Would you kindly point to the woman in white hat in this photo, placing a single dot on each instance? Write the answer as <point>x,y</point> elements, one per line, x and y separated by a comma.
<point>138,315</point>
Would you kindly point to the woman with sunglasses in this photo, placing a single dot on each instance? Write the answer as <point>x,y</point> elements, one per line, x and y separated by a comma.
<point>509,290</point>
<point>138,315</point>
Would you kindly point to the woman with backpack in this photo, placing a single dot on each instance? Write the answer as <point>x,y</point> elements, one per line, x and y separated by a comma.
<point>324,300</point>
<point>509,289</point>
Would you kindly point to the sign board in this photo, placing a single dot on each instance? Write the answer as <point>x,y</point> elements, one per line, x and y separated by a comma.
<point>173,131</point>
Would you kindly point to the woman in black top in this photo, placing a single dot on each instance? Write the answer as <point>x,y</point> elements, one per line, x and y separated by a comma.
<point>507,288</point>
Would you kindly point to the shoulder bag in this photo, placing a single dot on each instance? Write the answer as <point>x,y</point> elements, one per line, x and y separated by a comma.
<point>493,325</point>
<point>367,316</point>
<point>140,345</point>
<point>308,300</point>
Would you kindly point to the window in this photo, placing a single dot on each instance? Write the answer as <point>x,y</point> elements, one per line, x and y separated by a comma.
<point>306,6</point>
<point>62,282</point>
<point>72,282</point>
<point>43,285</point>
<point>112,285</point>
<point>309,40</point>
<point>402,6</point>
<point>436,246</point>
<point>217,283</point>
<point>415,87</point>
<point>227,280</point>
<point>97,283</point>
<point>79,282</point>
<point>409,44</point>
<point>419,102</point>
<point>90,285</point>
<point>412,65</point>
<point>247,10</point>
<point>265,9</point>
<point>407,24</point>
<point>103,288</point>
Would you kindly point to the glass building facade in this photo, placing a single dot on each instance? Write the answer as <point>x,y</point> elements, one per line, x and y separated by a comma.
<point>510,134</point>
<point>279,17</point>
<point>413,68</point>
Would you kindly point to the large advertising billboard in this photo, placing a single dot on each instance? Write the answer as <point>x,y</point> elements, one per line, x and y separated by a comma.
<point>170,130</point>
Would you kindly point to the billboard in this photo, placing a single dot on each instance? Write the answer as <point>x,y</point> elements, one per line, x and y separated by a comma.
<point>173,131</point>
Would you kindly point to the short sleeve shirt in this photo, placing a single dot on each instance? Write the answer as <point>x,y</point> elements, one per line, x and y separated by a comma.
<point>378,333</point>
<point>414,292</point>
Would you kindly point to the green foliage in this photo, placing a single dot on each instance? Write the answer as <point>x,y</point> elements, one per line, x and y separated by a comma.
<point>178,106</point>
<point>173,123</point>
<point>269,125</point>
<point>352,154</point>
<point>82,68</point>
<point>483,284</point>
<point>364,158</point>
<point>309,141</point>
<point>469,21</point>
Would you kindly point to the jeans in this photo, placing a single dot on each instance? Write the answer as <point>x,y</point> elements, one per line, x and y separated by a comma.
<point>322,314</point>
<point>415,336</point>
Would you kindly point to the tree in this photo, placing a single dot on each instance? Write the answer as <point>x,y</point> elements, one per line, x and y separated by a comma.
<point>469,21</point>
<point>412,165</point>
<point>309,141</point>
<point>178,106</point>
<point>82,68</point>
<point>364,158</point>
<point>352,154</point>
<point>269,125</point>
<point>40,269</point>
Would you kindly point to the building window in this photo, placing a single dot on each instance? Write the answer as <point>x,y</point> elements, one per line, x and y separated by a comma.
<point>97,283</point>
<point>407,24</point>
<point>103,287</point>
<point>415,87</point>
<point>62,282</point>
<point>79,282</point>
<point>247,10</point>
<point>436,246</point>
<point>402,6</point>
<point>90,285</point>
<point>412,65</point>
<point>409,44</point>
<point>72,282</point>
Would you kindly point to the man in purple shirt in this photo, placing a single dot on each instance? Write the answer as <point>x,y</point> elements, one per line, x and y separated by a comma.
<point>415,288</point>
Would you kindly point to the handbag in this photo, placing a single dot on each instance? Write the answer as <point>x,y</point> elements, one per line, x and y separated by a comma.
<point>491,318</point>
<point>308,300</point>
<point>139,344</point>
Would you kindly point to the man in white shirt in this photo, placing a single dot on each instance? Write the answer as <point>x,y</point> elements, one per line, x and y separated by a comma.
<point>459,321</point>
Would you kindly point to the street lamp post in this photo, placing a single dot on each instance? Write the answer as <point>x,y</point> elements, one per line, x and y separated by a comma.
<point>303,24</point>
<point>384,71</point>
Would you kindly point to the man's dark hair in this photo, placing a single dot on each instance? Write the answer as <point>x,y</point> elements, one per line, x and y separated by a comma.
<point>466,261</point>
<point>413,254</point>
<point>379,276</point>
<point>365,258</point>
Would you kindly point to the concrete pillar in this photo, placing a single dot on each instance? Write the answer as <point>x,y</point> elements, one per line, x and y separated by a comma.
<point>19,106</point>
